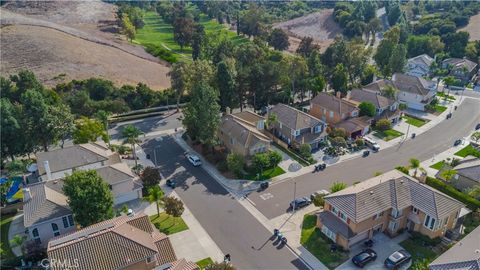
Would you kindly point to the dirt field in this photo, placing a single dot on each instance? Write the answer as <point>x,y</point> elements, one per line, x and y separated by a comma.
<point>319,25</point>
<point>473,27</point>
<point>79,39</point>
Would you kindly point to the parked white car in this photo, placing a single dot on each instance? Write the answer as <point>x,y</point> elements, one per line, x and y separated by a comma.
<point>195,160</point>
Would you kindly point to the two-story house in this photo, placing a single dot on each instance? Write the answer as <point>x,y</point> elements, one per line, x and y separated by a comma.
<point>414,92</point>
<point>242,133</point>
<point>389,203</point>
<point>340,113</point>
<point>460,68</point>
<point>419,66</point>
<point>468,174</point>
<point>385,108</point>
<point>296,127</point>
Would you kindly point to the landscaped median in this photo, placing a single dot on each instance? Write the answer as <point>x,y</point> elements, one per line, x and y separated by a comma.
<point>168,224</point>
<point>319,245</point>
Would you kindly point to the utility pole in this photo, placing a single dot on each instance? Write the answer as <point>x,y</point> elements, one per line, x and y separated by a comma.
<point>294,195</point>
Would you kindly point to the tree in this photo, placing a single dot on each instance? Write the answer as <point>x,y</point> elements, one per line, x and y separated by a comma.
<point>274,158</point>
<point>338,142</point>
<point>338,132</point>
<point>305,151</point>
<point>340,79</point>
<point>220,266</point>
<point>476,136</point>
<point>130,133</point>
<point>474,191</point>
<point>316,84</point>
<point>179,80</point>
<point>150,177</point>
<point>393,14</point>
<point>448,174</point>
<point>198,40</point>
<point>337,186</point>
<point>367,108</point>
<point>88,130</point>
<point>18,241</point>
<point>383,125</point>
<point>398,59</point>
<point>272,119</point>
<point>89,197</point>
<point>420,265</point>
<point>226,74</point>
<point>360,142</point>
<point>11,131</point>
<point>389,91</point>
<point>318,200</point>
<point>183,31</point>
<point>103,116</point>
<point>278,39</point>
<point>260,161</point>
<point>127,27</point>
<point>306,47</point>
<point>414,164</point>
<point>424,44</point>
<point>201,115</point>
<point>235,163</point>
<point>448,81</point>
<point>173,207</point>
<point>155,195</point>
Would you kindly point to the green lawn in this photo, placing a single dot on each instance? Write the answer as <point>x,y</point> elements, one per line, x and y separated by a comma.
<point>168,224</point>
<point>319,245</point>
<point>204,263</point>
<point>442,95</point>
<point>157,32</point>
<point>4,226</point>
<point>418,252</point>
<point>267,174</point>
<point>437,166</point>
<point>387,135</point>
<point>468,150</point>
<point>414,121</point>
<point>440,108</point>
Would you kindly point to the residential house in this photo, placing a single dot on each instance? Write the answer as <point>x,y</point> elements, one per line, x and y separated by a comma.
<point>468,173</point>
<point>57,163</point>
<point>460,68</point>
<point>464,255</point>
<point>389,203</point>
<point>296,127</point>
<point>339,113</point>
<point>385,108</point>
<point>419,66</point>
<point>413,91</point>
<point>242,133</point>
<point>47,214</point>
<point>119,243</point>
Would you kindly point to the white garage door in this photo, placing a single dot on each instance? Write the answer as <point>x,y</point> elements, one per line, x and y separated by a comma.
<point>359,237</point>
<point>126,197</point>
<point>415,106</point>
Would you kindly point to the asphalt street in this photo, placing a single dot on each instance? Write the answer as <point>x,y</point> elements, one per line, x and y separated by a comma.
<point>275,200</point>
<point>229,224</point>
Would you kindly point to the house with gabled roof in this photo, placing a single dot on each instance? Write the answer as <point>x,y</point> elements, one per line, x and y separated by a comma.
<point>385,108</point>
<point>468,173</point>
<point>120,243</point>
<point>419,66</point>
<point>389,203</point>
<point>296,127</point>
<point>464,255</point>
<point>460,68</point>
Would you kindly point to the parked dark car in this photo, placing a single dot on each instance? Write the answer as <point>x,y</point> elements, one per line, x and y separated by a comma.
<point>449,115</point>
<point>364,257</point>
<point>300,203</point>
<point>366,153</point>
<point>264,185</point>
<point>171,183</point>
<point>477,127</point>
<point>398,259</point>
<point>457,142</point>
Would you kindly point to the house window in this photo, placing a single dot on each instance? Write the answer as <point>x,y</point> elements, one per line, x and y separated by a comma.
<point>329,233</point>
<point>392,225</point>
<point>65,222</point>
<point>331,114</point>
<point>415,210</point>
<point>354,113</point>
<point>334,210</point>
<point>317,129</point>
<point>343,217</point>
<point>297,132</point>
<point>36,236</point>
<point>396,213</point>
<point>377,216</point>
<point>429,222</point>
<point>70,220</point>
<point>55,230</point>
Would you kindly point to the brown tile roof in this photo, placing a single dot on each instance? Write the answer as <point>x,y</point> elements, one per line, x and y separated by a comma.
<point>404,83</point>
<point>391,190</point>
<point>293,118</point>
<point>354,124</point>
<point>333,103</point>
<point>241,131</point>
<point>469,168</point>
<point>45,204</point>
<point>364,95</point>
<point>183,264</point>
<point>250,117</point>
<point>459,63</point>
<point>424,59</point>
<point>113,244</point>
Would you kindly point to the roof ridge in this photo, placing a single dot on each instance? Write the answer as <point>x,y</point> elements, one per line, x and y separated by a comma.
<point>134,239</point>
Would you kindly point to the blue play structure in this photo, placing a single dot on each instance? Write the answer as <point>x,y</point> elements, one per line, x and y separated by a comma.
<point>14,188</point>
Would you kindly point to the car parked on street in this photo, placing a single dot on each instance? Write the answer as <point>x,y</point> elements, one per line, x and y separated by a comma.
<point>457,142</point>
<point>400,259</point>
<point>300,203</point>
<point>477,127</point>
<point>322,192</point>
<point>364,257</point>
<point>195,160</point>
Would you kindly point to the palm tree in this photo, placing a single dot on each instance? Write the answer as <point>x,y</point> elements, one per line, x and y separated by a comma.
<point>17,241</point>
<point>448,174</point>
<point>155,195</point>
<point>414,164</point>
<point>449,80</point>
<point>272,119</point>
<point>130,134</point>
<point>337,186</point>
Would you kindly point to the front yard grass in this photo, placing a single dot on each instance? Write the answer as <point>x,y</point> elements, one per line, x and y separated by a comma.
<point>4,226</point>
<point>267,174</point>
<point>319,245</point>
<point>437,166</point>
<point>387,135</point>
<point>204,263</point>
<point>468,150</point>
<point>168,224</point>
<point>442,95</point>
<point>440,108</point>
<point>419,252</point>
<point>414,121</point>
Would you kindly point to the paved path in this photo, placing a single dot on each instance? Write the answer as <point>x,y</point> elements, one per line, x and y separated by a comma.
<point>16,228</point>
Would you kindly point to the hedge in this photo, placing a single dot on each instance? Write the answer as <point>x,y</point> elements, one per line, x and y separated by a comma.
<point>161,53</point>
<point>470,202</point>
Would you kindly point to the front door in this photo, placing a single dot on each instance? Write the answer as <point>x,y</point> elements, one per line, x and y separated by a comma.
<point>410,225</point>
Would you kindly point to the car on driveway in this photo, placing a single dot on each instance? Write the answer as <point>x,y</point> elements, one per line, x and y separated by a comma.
<point>195,160</point>
<point>398,260</point>
<point>300,203</point>
<point>477,127</point>
<point>364,257</point>
<point>322,192</point>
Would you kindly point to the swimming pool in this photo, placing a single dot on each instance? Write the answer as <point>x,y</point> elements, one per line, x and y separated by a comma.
<point>15,192</point>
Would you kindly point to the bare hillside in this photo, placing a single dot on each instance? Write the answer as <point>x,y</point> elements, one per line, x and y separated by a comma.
<point>473,27</point>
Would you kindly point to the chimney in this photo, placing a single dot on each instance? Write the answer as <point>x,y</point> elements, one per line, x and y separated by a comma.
<point>47,170</point>
<point>27,196</point>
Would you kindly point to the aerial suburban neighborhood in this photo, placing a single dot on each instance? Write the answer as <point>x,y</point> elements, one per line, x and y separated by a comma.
<point>223,135</point>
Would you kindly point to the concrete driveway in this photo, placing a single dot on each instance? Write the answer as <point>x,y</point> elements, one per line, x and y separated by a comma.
<point>384,246</point>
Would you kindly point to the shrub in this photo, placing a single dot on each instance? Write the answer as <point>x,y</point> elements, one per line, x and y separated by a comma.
<point>305,151</point>
<point>337,186</point>
<point>339,142</point>
<point>338,132</point>
<point>150,177</point>
<point>367,108</point>
<point>235,163</point>
<point>161,53</point>
<point>260,162</point>
<point>383,125</point>
<point>471,203</point>
<point>402,169</point>
<point>360,142</point>
<point>275,158</point>
<point>423,240</point>
<point>318,200</point>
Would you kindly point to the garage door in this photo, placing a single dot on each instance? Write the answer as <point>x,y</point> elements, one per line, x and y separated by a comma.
<point>358,238</point>
<point>126,197</point>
